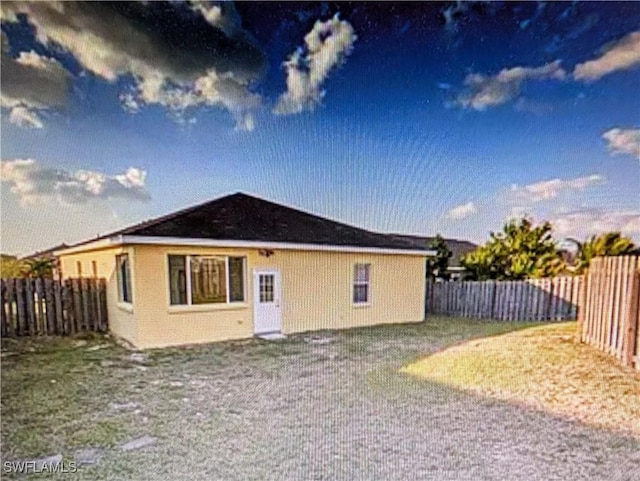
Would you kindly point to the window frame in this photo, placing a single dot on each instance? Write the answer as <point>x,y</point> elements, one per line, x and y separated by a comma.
<point>121,280</point>
<point>189,288</point>
<point>355,283</point>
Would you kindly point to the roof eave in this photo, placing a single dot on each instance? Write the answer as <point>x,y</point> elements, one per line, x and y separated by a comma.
<point>195,242</point>
<point>103,243</point>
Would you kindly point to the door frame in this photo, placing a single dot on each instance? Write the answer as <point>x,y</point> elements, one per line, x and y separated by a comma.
<point>277,296</point>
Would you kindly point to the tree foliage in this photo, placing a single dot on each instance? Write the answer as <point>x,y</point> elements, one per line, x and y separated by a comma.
<point>608,244</point>
<point>520,251</point>
<point>10,266</point>
<point>437,266</point>
<point>39,267</point>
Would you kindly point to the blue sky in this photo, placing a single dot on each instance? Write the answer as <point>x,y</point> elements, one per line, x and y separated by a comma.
<point>414,118</point>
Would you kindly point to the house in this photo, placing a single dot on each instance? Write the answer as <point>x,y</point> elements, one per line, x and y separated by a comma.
<point>239,266</point>
<point>457,247</point>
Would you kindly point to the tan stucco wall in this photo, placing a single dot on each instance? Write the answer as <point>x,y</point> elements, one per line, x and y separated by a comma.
<point>122,322</point>
<point>316,294</point>
<point>163,325</point>
<point>317,290</point>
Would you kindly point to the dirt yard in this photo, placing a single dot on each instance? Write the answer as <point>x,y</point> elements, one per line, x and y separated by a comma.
<point>321,406</point>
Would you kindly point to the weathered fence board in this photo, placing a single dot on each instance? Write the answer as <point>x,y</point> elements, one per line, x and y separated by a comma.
<point>611,315</point>
<point>48,307</point>
<point>531,300</point>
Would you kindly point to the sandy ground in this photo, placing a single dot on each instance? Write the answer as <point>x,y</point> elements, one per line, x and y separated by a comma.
<point>328,406</point>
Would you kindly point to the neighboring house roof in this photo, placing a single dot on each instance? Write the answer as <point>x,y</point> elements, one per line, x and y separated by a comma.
<point>457,247</point>
<point>246,219</point>
<point>51,252</point>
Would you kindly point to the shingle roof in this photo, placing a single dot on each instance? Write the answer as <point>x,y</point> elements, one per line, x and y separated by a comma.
<point>243,217</point>
<point>457,247</point>
<point>50,252</point>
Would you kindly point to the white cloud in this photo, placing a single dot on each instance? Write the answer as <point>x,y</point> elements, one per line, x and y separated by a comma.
<point>32,183</point>
<point>489,91</point>
<point>551,70</point>
<point>24,117</point>
<point>550,189</point>
<point>326,46</point>
<point>201,59</point>
<point>584,223</point>
<point>30,83</point>
<point>462,211</point>
<point>622,55</point>
<point>453,13</point>
<point>209,90</point>
<point>223,16</point>
<point>246,123</point>
<point>623,141</point>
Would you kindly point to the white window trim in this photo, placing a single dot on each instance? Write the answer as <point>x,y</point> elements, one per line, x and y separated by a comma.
<point>226,280</point>
<point>355,283</point>
<point>211,306</point>
<point>121,303</point>
<point>125,306</point>
<point>178,308</point>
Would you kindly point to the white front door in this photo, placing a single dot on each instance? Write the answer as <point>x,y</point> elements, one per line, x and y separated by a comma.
<point>267,315</point>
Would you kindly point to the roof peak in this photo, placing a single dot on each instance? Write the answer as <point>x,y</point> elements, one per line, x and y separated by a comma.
<point>245,217</point>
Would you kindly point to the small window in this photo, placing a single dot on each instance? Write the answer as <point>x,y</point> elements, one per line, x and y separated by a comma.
<point>177,280</point>
<point>79,268</point>
<point>206,280</point>
<point>266,288</point>
<point>236,279</point>
<point>123,270</point>
<point>361,283</point>
<point>94,269</point>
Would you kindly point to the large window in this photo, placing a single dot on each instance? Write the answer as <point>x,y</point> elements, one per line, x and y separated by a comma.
<point>361,283</point>
<point>206,280</point>
<point>123,270</point>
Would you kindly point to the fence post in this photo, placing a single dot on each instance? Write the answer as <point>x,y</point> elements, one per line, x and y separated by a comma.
<point>581,307</point>
<point>57,295</point>
<point>102,302</point>
<point>9,297</point>
<point>50,306</point>
<point>40,317</point>
<point>629,349</point>
<point>3,312</point>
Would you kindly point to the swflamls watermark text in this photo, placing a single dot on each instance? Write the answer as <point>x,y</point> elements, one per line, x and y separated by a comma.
<point>35,467</point>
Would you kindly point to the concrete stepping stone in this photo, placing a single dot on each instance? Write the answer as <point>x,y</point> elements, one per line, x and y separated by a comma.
<point>123,406</point>
<point>88,456</point>
<point>138,443</point>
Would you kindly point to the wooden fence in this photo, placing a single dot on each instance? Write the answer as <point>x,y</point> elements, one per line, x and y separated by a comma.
<point>610,316</point>
<point>50,307</point>
<point>552,299</point>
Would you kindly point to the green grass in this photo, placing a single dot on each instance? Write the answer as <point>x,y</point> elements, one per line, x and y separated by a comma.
<point>56,395</point>
<point>406,339</point>
<point>545,368</point>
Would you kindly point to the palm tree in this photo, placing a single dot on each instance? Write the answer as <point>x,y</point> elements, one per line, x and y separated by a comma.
<point>607,244</point>
<point>39,267</point>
